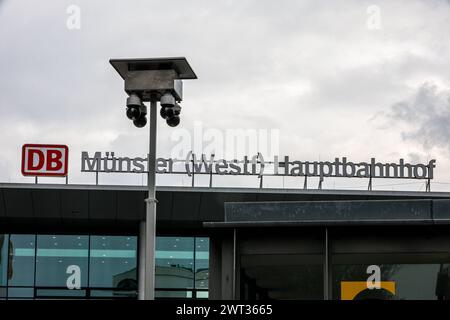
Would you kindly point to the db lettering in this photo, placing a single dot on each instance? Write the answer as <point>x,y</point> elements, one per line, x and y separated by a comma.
<point>44,160</point>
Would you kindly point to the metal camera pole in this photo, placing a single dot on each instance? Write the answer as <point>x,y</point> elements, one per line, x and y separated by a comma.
<point>152,80</point>
<point>148,226</point>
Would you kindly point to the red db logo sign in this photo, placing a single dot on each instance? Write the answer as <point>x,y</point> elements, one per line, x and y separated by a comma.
<point>45,160</point>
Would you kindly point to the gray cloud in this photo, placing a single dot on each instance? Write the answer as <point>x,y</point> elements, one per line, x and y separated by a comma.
<point>427,116</point>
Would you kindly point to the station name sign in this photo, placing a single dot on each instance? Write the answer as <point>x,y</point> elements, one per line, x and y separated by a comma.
<point>256,165</point>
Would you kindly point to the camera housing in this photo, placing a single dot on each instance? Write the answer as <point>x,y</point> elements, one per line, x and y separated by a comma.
<point>154,77</point>
<point>167,100</point>
<point>134,107</point>
<point>170,110</point>
<point>153,80</point>
<point>136,110</point>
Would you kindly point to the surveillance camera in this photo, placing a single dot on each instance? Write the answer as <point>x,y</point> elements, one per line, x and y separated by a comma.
<point>176,109</point>
<point>167,100</point>
<point>140,122</point>
<point>134,107</point>
<point>135,112</point>
<point>163,113</point>
<point>173,121</point>
<point>133,100</point>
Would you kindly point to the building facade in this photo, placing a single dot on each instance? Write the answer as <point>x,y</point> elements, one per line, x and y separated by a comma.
<point>81,242</point>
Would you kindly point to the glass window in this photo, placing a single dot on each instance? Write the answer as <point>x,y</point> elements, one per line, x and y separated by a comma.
<point>62,260</point>
<point>113,262</point>
<point>114,294</point>
<point>168,294</point>
<point>21,260</point>
<point>20,293</point>
<point>202,294</point>
<point>201,263</point>
<point>49,266</point>
<point>277,276</point>
<point>4,243</point>
<point>174,262</point>
<point>411,282</point>
<point>59,293</point>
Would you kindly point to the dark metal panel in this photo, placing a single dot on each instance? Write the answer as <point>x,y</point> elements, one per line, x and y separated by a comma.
<point>2,204</point>
<point>416,210</point>
<point>19,203</point>
<point>186,206</point>
<point>47,203</point>
<point>211,206</point>
<point>131,205</point>
<point>103,204</point>
<point>393,240</point>
<point>227,269</point>
<point>237,197</point>
<point>215,267</point>
<point>164,207</point>
<point>441,211</point>
<point>75,204</point>
<point>297,197</point>
<point>281,241</point>
<point>269,197</point>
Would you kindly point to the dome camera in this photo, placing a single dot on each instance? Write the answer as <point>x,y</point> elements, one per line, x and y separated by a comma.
<point>173,121</point>
<point>140,122</point>
<point>134,106</point>
<point>176,109</point>
<point>167,100</point>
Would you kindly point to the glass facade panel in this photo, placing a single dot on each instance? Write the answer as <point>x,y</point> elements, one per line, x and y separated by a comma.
<point>411,282</point>
<point>283,277</point>
<point>201,263</point>
<point>174,262</point>
<point>57,255</point>
<point>202,294</point>
<point>168,294</point>
<point>21,260</point>
<point>182,263</point>
<point>113,261</point>
<point>59,293</point>
<point>20,293</point>
<point>114,294</point>
<point>47,266</point>
<point>4,243</point>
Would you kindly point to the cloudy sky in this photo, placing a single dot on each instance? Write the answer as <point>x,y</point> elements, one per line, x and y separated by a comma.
<point>356,78</point>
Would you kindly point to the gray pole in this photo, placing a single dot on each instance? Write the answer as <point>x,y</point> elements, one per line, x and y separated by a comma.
<point>148,227</point>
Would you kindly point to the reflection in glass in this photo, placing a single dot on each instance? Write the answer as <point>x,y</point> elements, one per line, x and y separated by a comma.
<point>113,262</point>
<point>412,281</point>
<point>20,293</point>
<point>59,293</point>
<point>161,294</point>
<point>21,260</point>
<point>114,294</point>
<point>174,262</point>
<point>201,263</point>
<point>202,294</point>
<point>4,242</point>
<point>55,253</point>
<point>31,264</point>
<point>277,276</point>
